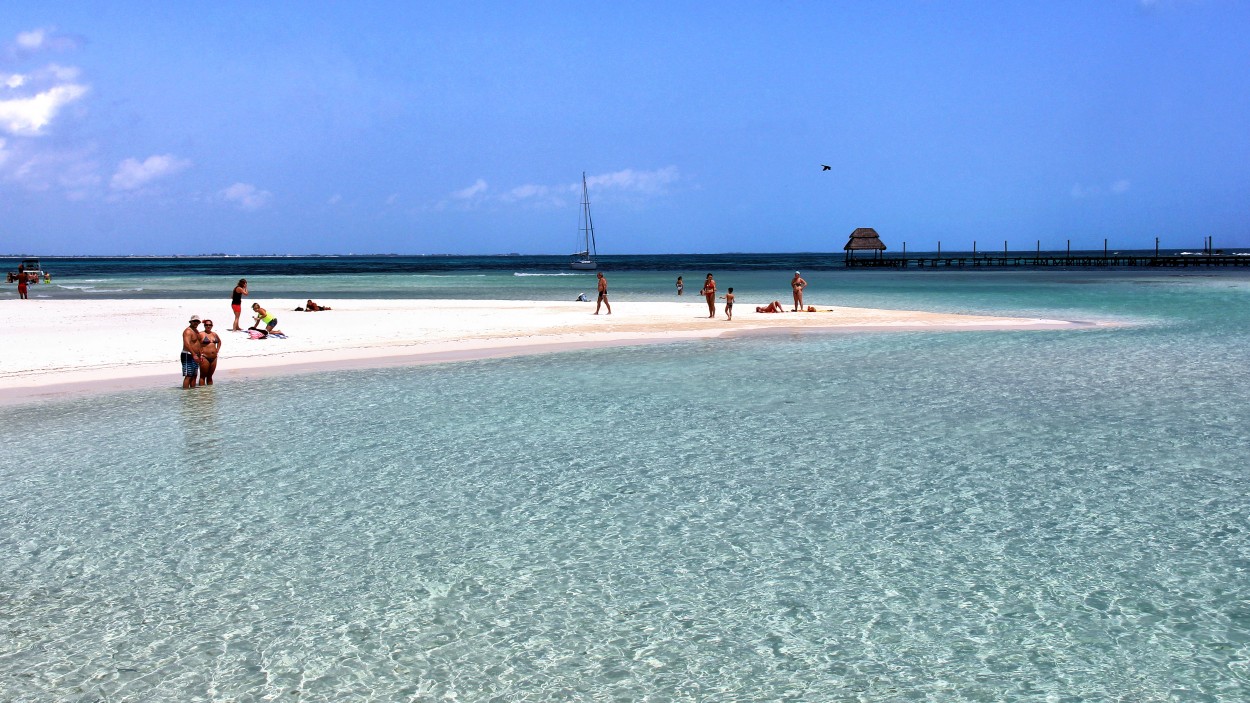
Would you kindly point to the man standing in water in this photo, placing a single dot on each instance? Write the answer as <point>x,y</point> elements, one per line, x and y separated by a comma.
<point>709,294</point>
<point>797,284</point>
<point>191,346</point>
<point>603,294</point>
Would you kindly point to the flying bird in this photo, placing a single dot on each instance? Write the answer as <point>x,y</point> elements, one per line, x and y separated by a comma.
<point>825,168</point>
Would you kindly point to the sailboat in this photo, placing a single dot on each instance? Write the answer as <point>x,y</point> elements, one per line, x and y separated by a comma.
<point>584,260</point>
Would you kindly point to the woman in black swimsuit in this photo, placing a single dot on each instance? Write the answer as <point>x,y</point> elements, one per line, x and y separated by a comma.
<point>236,302</point>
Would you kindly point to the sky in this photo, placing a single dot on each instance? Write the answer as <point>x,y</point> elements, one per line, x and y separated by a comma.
<point>156,128</point>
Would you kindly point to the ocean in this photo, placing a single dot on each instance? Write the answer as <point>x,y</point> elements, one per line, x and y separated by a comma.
<point>1054,515</point>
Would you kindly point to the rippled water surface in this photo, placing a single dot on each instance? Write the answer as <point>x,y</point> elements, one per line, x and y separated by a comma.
<point>1056,515</point>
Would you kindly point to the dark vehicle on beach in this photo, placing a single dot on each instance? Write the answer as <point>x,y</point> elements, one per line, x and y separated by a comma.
<point>29,268</point>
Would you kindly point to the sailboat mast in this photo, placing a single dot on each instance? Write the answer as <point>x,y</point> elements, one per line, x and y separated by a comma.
<point>589,228</point>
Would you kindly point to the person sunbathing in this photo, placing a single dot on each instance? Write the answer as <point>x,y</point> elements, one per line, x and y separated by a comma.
<point>774,306</point>
<point>310,306</point>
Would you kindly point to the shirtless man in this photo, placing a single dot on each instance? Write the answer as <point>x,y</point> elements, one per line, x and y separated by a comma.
<point>603,294</point>
<point>190,357</point>
<point>210,345</point>
<point>797,284</point>
<point>709,294</point>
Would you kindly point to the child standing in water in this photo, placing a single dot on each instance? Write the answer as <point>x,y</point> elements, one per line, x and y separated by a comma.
<point>729,304</point>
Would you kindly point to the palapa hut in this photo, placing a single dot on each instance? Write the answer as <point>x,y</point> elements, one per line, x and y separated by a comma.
<point>864,238</point>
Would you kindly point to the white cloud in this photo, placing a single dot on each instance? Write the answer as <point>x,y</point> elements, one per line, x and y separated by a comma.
<point>528,192</point>
<point>39,40</point>
<point>634,181</point>
<point>28,116</point>
<point>33,103</point>
<point>31,40</point>
<point>247,196</point>
<point>627,182</point>
<point>477,188</point>
<point>132,173</point>
<point>73,171</point>
<point>1092,191</point>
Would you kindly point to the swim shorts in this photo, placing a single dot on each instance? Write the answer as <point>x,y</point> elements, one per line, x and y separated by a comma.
<point>236,307</point>
<point>190,367</point>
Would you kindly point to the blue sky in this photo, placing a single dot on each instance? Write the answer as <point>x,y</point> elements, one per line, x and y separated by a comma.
<point>412,127</point>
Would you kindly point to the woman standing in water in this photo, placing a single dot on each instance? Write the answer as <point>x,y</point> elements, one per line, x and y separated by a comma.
<point>210,345</point>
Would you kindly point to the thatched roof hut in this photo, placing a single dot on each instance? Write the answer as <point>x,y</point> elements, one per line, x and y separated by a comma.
<point>864,238</point>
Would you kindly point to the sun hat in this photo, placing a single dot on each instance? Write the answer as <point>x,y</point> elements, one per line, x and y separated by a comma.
<point>194,318</point>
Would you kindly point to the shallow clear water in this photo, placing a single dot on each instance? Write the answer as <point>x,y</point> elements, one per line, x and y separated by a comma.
<point>1054,515</point>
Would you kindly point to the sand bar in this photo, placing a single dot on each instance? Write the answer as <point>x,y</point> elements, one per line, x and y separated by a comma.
<point>53,347</point>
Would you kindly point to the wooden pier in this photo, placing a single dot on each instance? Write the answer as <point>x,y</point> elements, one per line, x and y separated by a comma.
<point>1080,260</point>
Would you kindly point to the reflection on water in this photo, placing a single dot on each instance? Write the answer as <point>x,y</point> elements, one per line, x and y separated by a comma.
<point>1053,515</point>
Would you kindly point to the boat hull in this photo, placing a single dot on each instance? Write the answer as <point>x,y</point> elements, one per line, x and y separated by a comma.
<point>583,265</point>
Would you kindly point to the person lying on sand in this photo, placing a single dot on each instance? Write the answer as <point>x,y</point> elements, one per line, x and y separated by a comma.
<point>310,306</point>
<point>774,306</point>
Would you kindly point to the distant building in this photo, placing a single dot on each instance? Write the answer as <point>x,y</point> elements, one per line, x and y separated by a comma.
<point>864,238</point>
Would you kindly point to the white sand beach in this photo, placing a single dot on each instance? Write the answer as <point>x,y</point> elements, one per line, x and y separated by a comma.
<point>57,347</point>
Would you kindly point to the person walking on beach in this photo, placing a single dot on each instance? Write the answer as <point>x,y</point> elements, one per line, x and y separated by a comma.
<point>191,344</point>
<point>680,286</point>
<point>709,294</point>
<point>797,284</point>
<point>210,345</point>
<point>236,302</point>
<point>603,294</point>
<point>729,304</point>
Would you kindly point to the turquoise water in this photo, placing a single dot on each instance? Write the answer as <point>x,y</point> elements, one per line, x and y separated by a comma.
<point>997,516</point>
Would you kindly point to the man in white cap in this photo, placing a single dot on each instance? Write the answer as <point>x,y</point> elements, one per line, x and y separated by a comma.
<point>797,284</point>
<point>191,349</point>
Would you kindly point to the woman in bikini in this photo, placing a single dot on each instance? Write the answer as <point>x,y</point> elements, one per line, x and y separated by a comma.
<point>210,345</point>
<point>709,294</point>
